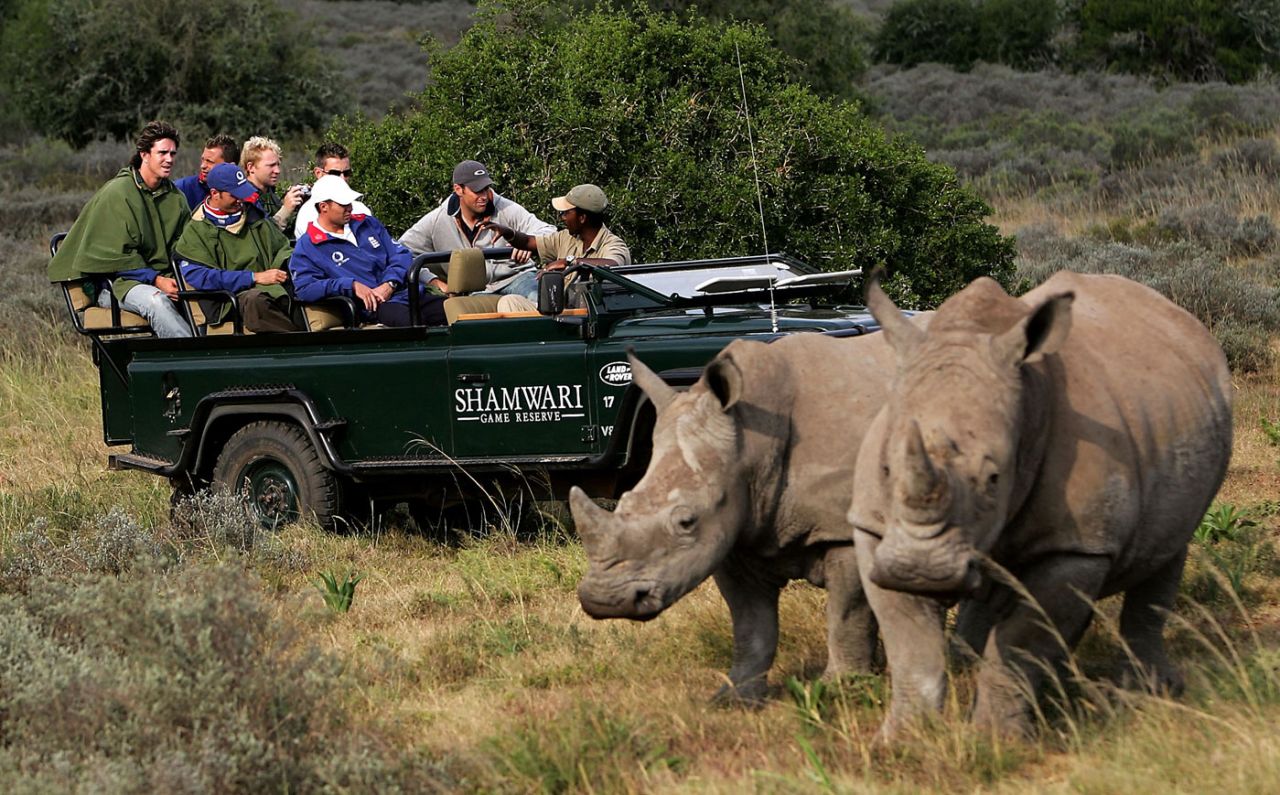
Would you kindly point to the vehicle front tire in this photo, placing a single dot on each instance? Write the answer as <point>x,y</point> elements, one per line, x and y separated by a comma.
<point>274,465</point>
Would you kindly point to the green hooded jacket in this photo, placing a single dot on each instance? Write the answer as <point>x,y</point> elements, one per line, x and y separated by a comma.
<point>123,227</point>
<point>252,244</point>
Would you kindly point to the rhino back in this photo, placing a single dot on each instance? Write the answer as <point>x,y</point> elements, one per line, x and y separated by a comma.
<point>837,386</point>
<point>1139,424</point>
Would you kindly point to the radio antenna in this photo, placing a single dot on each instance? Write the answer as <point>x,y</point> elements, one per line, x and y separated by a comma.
<point>755,171</point>
<point>751,143</point>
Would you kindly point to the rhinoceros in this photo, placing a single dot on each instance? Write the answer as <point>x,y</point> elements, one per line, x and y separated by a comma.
<point>1074,437</point>
<point>749,482</point>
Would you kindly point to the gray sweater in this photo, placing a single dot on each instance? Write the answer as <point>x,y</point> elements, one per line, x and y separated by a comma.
<point>439,230</point>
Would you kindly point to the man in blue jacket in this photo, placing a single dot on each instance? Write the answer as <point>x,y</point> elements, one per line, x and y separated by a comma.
<point>346,254</point>
<point>218,149</point>
<point>230,245</point>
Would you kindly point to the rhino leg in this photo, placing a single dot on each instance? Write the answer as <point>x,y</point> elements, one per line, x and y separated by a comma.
<point>974,621</point>
<point>914,643</point>
<point>1142,625</point>
<point>851,625</point>
<point>753,608</point>
<point>1021,650</point>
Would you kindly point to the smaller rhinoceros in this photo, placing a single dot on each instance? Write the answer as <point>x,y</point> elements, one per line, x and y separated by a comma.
<point>1075,437</point>
<point>748,482</point>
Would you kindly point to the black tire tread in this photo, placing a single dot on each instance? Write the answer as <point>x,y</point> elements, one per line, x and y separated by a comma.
<point>286,442</point>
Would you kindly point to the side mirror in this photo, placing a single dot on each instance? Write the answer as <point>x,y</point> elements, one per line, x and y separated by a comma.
<point>551,292</point>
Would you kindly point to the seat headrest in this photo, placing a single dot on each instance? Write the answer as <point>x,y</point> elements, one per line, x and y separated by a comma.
<point>466,271</point>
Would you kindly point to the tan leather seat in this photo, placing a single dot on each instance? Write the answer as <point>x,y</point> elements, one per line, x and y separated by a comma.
<point>93,317</point>
<point>467,275</point>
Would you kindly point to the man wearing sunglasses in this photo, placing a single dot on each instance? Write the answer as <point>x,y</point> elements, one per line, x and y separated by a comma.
<point>332,160</point>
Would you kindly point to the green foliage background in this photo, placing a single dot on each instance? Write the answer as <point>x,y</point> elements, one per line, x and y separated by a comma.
<point>649,107</point>
<point>89,69</point>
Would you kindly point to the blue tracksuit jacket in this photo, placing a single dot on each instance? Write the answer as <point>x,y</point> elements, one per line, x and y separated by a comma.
<point>323,265</point>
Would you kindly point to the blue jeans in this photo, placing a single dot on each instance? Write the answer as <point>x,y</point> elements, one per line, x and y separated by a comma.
<point>160,312</point>
<point>525,284</point>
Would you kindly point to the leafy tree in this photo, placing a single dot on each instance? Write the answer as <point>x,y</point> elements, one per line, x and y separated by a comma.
<point>1230,40</point>
<point>650,108</point>
<point>826,40</point>
<point>961,32</point>
<point>85,69</point>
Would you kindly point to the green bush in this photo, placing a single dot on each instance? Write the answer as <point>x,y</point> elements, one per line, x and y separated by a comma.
<point>194,684</point>
<point>1230,40</point>
<point>87,69</point>
<point>825,39</point>
<point>960,32</point>
<point>650,108</point>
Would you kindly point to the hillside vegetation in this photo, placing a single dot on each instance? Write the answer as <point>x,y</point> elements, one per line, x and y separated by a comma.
<point>142,654</point>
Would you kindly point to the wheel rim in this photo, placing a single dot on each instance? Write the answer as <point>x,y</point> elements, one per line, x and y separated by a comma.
<point>272,491</point>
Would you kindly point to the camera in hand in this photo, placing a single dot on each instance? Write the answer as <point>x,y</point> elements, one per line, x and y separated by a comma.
<point>304,190</point>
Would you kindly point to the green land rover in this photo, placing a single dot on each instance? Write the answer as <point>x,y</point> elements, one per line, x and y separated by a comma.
<point>336,421</point>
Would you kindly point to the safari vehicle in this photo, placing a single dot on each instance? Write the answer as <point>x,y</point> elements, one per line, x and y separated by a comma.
<point>345,419</point>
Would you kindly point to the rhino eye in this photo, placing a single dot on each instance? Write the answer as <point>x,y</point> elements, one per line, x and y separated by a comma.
<point>683,520</point>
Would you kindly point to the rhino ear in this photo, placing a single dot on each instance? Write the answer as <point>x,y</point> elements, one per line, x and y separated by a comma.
<point>660,393</point>
<point>724,377</point>
<point>1038,334</point>
<point>901,333</point>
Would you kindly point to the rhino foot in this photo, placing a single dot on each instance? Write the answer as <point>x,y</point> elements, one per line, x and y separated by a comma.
<point>1165,680</point>
<point>749,695</point>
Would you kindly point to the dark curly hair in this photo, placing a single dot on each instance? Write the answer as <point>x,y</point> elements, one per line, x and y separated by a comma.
<point>152,132</point>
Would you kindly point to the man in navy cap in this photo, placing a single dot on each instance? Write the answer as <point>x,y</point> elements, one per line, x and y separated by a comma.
<point>231,245</point>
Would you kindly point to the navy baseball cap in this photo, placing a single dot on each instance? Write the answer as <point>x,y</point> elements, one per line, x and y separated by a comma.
<point>230,178</point>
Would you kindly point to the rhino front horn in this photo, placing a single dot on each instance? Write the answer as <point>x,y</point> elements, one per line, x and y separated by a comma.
<point>590,519</point>
<point>660,393</point>
<point>925,487</point>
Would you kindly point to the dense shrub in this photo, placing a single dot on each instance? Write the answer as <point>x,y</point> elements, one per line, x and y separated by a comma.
<point>1027,130</point>
<point>197,684</point>
<point>86,69</point>
<point>650,108</point>
<point>1230,40</point>
<point>961,32</point>
<point>825,41</point>
<point>1241,312</point>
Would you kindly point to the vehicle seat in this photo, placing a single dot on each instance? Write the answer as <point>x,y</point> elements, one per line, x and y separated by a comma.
<point>86,315</point>
<point>468,275</point>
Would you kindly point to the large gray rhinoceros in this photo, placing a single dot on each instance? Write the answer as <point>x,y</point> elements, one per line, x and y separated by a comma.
<point>1074,436</point>
<point>749,482</point>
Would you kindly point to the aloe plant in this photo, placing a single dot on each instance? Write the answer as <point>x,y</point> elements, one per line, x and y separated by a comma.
<point>338,595</point>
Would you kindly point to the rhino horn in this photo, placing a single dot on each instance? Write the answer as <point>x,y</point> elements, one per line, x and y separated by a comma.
<point>591,521</point>
<point>925,489</point>
<point>659,392</point>
<point>900,332</point>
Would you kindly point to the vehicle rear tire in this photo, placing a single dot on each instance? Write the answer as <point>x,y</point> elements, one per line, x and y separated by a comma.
<point>275,467</point>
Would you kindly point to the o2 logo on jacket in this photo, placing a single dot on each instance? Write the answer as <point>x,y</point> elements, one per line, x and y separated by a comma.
<point>339,258</point>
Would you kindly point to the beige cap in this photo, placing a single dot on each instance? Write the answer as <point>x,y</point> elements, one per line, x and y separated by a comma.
<point>583,197</point>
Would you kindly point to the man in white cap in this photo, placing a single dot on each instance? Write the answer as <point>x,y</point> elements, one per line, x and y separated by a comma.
<point>352,254</point>
<point>458,223</point>
<point>584,240</point>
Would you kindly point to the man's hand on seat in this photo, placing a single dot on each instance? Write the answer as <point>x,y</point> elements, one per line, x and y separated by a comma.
<point>273,276</point>
<point>167,286</point>
<point>368,296</point>
<point>520,256</point>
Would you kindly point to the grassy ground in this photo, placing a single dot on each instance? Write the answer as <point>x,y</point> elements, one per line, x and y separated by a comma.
<point>137,654</point>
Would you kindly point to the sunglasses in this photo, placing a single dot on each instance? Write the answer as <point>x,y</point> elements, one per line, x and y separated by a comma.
<point>339,172</point>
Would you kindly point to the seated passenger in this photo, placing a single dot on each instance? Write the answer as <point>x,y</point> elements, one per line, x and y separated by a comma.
<point>458,222</point>
<point>260,159</point>
<point>218,149</point>
<point>122,238</point>
<point>334,160</point>
<point>353,255</point>
<point>585,238</point>
<point>230,245</point>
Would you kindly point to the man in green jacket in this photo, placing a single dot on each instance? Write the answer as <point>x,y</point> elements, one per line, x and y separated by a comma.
<point>120,243</point>
<point>230,245</point>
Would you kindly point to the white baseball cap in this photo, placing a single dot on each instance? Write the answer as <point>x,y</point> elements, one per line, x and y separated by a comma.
<point>330,188</point>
